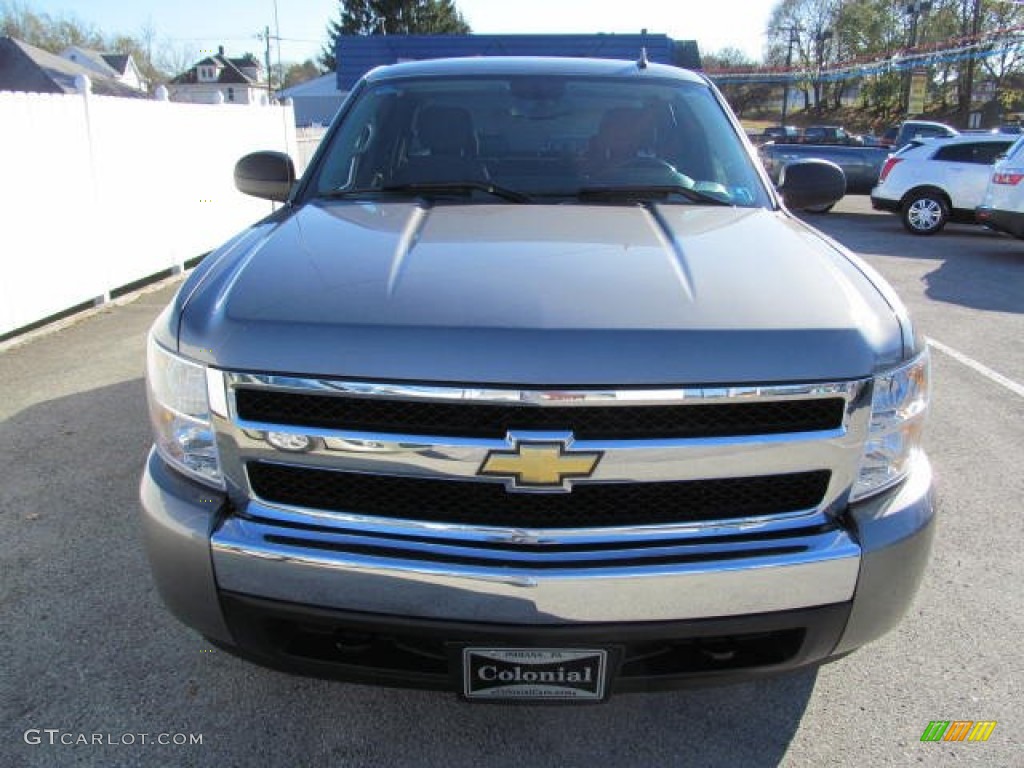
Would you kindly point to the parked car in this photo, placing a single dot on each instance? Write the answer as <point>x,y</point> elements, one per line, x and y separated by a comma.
<point>901,135</point>
<point>649,429</point>
<point>780,133</point>
<point>933,181</point>
<point>860,165</point>
<point>828,134</point>
<point>1002,208</point>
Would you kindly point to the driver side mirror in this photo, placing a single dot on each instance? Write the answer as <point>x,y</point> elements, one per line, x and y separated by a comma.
<point>811,183</point>
<point>267,174</point>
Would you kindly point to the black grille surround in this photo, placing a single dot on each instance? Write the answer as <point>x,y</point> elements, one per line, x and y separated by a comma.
<point>589,505</point>
<point>409,652</point>
<point>467,418</point>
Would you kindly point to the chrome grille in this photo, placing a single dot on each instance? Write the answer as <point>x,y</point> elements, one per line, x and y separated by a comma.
<point>387,459</point>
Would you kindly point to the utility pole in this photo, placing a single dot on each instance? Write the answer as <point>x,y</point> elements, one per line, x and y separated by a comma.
<point>265,37</point>
<point>965,103</point>
<point>793,30</point>
<point>821,42</point>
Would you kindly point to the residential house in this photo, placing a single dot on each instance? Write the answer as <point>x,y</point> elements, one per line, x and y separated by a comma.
<point>119,66</point>
<point>219,79</point>
<point>24,67</point>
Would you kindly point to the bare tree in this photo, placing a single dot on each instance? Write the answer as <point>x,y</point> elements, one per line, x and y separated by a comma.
<point>174,58</point>
<point>1002,60</point>
<point>51,33</point>
<point>805,28</point>
<point>743,97</point>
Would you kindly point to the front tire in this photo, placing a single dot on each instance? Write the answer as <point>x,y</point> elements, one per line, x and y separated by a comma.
<point>925,213</point>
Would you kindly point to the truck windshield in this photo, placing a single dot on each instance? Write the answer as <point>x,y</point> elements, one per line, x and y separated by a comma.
<point>539,139</point>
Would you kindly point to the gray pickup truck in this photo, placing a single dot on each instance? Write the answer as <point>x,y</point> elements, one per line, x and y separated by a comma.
<point>533,389</point>
<point>861,165</point>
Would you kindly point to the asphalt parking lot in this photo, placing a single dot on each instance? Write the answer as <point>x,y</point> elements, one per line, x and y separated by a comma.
<point>88,648</point>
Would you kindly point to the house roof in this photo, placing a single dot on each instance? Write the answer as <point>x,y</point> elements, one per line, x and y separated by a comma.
<point>245,61</point>
<point>229,70</point>
<point>325,85</point>
<point>117,61</point>
<point>97,59</point>
<point>24,67</point>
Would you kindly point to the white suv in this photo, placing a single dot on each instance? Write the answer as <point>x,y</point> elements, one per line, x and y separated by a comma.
<point>1002,209</point>
<point>931,182</point>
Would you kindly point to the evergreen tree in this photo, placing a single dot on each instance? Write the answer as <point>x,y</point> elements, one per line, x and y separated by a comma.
<point>391,17</point>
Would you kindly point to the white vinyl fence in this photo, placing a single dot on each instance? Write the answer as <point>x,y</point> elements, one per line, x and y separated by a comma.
<point>308,139</point>
<point>99,192</point>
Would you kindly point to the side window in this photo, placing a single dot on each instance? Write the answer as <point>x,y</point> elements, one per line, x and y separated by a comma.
<point>956,153</point>
<point>980,153</point>
<point>986,154</point>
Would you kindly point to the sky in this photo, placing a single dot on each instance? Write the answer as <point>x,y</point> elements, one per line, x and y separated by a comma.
<point>205,24</point>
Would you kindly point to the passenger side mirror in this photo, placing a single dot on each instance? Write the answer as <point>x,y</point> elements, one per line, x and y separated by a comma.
<point>811,183</point>
<point>266,174</point>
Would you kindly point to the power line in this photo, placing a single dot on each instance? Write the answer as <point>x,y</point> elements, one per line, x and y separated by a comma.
<point>234,38</point>
<point>1013,43</point>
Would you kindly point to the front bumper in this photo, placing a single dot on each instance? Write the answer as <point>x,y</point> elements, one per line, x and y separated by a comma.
<point>268,601</point>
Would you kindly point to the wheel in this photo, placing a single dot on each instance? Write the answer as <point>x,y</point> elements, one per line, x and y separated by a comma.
<point>820,208</point>
<point>925,213</point>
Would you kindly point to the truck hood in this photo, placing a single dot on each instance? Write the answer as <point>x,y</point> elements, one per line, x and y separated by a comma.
<point>540,295</point>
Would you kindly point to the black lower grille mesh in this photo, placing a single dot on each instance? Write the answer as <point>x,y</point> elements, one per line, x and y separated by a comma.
<point>470,419</point>
<point>588,505</point>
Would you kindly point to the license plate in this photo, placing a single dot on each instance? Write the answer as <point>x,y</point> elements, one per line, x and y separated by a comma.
<point>537,674</point>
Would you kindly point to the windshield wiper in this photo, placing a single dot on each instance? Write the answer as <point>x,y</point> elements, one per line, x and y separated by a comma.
<point>640,192</point>
<point>431,187</point>
<point>441,187</point>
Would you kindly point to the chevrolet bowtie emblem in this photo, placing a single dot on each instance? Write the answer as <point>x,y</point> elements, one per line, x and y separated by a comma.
<point>539,466</point>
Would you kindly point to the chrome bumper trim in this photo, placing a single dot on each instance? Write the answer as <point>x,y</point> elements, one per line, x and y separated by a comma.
<point>250,558</point>
<point>276,514</point>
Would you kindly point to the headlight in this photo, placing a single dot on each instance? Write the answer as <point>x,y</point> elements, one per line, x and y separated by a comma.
<point>179,409</point>
<point>898,409</point>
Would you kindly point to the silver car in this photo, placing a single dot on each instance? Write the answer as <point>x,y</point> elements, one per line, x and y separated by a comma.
<point>533,389</point>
